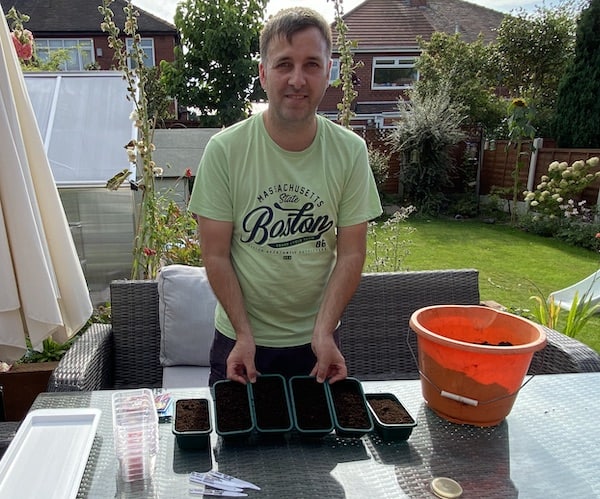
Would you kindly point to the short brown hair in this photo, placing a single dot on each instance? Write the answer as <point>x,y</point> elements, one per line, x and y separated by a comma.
<point>287,22</point>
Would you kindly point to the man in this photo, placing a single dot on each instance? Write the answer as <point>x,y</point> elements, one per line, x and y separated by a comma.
<point>283,199</point>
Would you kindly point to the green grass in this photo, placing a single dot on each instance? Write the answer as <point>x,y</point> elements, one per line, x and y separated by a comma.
<point>511,263</point>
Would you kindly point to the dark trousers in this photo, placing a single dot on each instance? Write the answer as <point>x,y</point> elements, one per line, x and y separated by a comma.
<point>288,361</point>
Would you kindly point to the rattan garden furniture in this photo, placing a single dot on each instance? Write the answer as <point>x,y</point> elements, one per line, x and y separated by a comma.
<point>376,339</point>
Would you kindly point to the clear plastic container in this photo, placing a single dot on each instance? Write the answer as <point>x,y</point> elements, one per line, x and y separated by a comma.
<point>135,429</point>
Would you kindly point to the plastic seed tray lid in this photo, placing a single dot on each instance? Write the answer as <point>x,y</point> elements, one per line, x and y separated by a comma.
<point>48,455</point>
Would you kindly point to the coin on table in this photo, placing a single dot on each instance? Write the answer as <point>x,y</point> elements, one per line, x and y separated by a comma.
<point>446,488</point>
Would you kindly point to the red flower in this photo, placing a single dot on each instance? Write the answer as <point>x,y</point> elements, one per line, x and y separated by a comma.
<point>149,252</point>
<point>23,42</point>
<point>188,172</point>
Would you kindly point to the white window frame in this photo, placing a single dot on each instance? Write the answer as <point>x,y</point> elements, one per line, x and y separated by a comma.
<point>334,74</point>
<point>394,62</point>
<point>81,51</point>
<point>147,46</point>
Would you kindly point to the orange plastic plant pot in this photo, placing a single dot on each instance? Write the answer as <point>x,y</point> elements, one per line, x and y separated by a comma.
<point>473,360</point>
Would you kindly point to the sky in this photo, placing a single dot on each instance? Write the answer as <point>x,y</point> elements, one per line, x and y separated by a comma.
<point>165,9</point>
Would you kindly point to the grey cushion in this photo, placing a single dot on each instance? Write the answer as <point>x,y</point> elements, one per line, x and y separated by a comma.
<point>186,314</point>
<point>185,377</point>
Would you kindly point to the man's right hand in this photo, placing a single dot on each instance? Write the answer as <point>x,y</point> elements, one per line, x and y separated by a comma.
<point>240,363</point>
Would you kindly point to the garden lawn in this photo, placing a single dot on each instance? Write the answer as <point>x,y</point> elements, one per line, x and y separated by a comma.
<point>513,265</point>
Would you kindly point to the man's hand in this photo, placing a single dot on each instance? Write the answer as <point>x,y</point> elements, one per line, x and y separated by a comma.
<point>240,363</point>
<point>330,361</point>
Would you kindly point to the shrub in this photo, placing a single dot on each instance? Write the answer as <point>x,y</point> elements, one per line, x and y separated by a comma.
<point>463,204</point>
<point>429,124</point>
<point>541,225</point>
<point>577,233</point>
<point>380,166</point>
<point>553,196</point>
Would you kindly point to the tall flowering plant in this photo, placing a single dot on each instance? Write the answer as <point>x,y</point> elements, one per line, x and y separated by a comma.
<point>519,116</point>
<point>348,67</point>
<point>22,38</point>
<point>387,249</point>
<point>139,151</point>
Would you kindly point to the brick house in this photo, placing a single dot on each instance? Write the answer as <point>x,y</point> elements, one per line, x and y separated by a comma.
<point>75,25</point>
<point>386,32</point>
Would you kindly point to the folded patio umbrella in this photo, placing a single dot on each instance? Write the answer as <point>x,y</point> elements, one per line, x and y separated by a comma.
<point>43,291</point>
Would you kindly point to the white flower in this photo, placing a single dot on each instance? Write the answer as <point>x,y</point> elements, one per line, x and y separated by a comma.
<point>553,166</point>
<point>134,115</point>
<point>578,165</point>
<point>157,171</point>
<point>593,162</point>
<point>534,203</point>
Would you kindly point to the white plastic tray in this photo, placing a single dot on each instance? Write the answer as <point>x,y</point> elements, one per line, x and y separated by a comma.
<point>48,455</point>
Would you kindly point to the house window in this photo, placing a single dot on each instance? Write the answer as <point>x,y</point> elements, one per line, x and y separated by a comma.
<point>393,72</point>
<point>334,74</point>
<point>80,52</point>
<point>147,46</point>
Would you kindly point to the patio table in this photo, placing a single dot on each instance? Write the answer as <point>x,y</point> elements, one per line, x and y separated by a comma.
<point>547,447</point>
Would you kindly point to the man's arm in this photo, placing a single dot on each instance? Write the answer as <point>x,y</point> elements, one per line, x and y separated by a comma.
<point>215,240</point>
<point>345,278</point>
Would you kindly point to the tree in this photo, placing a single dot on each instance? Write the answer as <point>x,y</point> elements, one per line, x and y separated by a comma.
<point>577,106</point>
<point>532,51</point>
<point>465,69</point>
<point>217,64</point>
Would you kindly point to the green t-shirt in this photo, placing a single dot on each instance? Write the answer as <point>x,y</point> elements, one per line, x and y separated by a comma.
<point>285,208</point>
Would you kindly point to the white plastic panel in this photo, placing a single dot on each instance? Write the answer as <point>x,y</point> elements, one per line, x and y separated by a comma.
<point>84,122</point>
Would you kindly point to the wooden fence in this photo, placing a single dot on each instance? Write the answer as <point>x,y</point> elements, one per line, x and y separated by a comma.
<point>496,164</point>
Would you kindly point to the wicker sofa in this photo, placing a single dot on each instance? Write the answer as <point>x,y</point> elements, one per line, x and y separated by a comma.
<point>376,339</point>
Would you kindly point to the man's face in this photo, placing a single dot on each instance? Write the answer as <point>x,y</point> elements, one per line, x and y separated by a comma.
<point>295,75</point>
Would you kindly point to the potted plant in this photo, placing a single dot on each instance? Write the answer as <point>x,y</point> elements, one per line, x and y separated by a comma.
<point>24,380</point>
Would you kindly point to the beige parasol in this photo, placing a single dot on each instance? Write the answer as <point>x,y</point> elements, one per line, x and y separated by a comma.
<point>43,291</point>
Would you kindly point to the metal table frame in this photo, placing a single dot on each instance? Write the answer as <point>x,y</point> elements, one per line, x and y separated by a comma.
<point>547,447</point>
